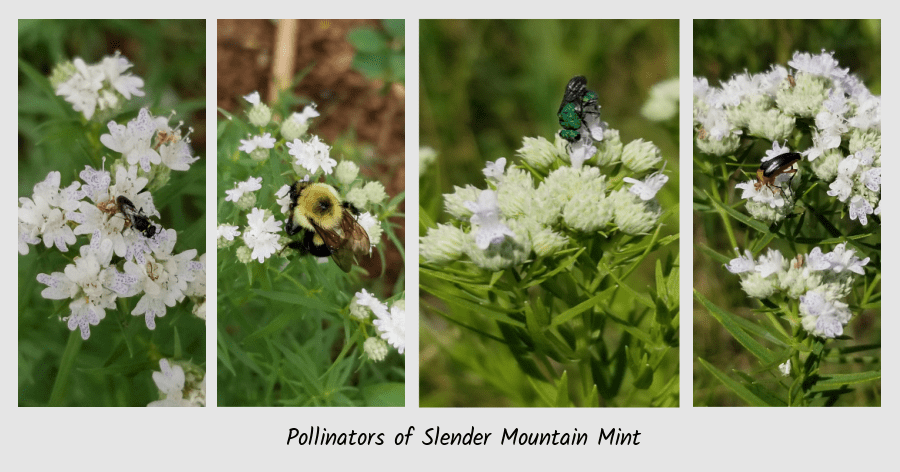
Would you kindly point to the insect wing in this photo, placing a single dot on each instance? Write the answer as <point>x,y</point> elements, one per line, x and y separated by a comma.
<point>574,91</point>
<point>355,235</point>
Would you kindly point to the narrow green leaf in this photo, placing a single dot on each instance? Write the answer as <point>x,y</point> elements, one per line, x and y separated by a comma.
<point>732,326</point>
<point>734,386</point>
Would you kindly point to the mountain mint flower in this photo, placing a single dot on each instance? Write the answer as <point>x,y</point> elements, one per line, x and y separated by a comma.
<point>228,232</point>
<point>262,234</point>
<point>392,325</point>
<point>258,146</point>
<point>494,170</point>
<point>259,114</point>
<point>298,123</point>
<point>179,386</point>
<point>486,217</point>
<point>312,155</point>
<point>647,188</point>
<point>817,280</point>
<point>99,86</point>
<point>247,187</point>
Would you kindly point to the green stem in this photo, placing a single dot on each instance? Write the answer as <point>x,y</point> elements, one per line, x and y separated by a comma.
<point>61,384</point>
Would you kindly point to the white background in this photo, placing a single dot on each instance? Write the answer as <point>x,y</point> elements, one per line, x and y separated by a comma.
<point>685,438</point>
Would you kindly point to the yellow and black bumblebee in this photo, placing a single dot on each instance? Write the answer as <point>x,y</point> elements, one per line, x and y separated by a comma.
<point>329,225</point>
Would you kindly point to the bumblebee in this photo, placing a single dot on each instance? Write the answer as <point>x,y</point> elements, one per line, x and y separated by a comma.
<point>330,225</point>
<point>139,221</point>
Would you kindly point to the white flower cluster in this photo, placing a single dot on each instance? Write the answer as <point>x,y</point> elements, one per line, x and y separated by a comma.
<point>93,280</point>
<point>846,116</point>
<point>179,388</point>
<point>390,323</point>
<point>818,280</point>
<point>514,218</point>
<point>97,86</point>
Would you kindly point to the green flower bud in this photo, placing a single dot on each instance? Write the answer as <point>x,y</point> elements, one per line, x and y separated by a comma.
<point>715,147</point>
<point>375,348</point>
<point>757,286</point>
<point>772,125</point>
<point>609,151</point>
<point>259,154</point>
<point>375,192</point>
<point>357,196</point>
<point>860,140</point>
<point>442,244</point>
<point>260,115</point>
<point>640,155</point>
<point>62,72</point>
<point>454,203</point>
<point>243,254</point>
<point>540,153</point>
<point>631,214</point>
<point>247,201</point>
<point>346,172</point>
<point>805,98</point>
<point>291,129</point>
<point>826,166</point>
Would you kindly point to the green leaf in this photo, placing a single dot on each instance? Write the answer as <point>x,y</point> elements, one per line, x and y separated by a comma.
<point>562,392</point>
<point>372,65</point>
<point>580,308</point>
<point>747,220</point>
<point>741,391</point>
<point>395,28</point>
<point>839,380</point>
<point>385,394</point>
<point>367,40</point>
<point>732,325</point>
<point>398,67</point>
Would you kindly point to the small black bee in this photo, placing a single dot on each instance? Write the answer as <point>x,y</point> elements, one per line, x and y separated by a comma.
<point>139,221</point>
<point>774,167</point>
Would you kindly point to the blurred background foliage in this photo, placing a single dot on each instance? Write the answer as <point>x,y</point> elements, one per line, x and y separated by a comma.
<point>486,84</point>
<point>723,48</point>
<point>113,367</point>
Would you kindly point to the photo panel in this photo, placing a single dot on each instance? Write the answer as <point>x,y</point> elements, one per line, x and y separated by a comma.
<point>548,213</point>
<point>310,185</point>
<point>787,225</point>
<point>112,213</point>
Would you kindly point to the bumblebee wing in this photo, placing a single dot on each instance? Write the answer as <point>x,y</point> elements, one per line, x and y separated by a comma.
<point>336,245</point>
<point>355,236</point>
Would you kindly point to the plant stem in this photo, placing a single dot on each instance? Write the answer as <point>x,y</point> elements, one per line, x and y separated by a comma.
<point>60,385</point>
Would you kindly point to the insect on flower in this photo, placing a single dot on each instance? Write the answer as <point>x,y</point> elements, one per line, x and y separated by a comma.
<point>136,217</point>
<point>330,226</point>
<point>769,170</point>
<point>577,101</point>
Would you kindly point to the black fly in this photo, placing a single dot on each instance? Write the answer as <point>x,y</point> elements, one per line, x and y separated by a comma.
<point>136,217</point>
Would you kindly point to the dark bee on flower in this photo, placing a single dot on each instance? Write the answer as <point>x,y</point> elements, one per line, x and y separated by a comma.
<point>136,217</point>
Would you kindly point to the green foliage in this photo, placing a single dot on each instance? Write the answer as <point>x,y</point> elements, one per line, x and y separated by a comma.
<point>380,54</point>
<point>113,367</point>
<point>595,324</point>
<point>285,335</point>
